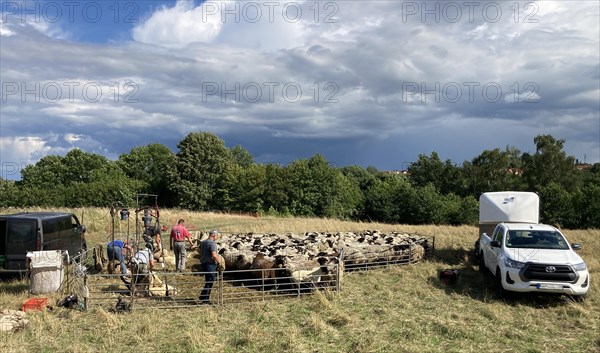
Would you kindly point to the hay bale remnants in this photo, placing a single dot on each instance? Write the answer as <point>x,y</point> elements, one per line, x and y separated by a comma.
<point>12,320</point>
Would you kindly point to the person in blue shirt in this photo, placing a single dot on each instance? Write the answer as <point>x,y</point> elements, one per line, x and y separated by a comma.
<point>115,251</point>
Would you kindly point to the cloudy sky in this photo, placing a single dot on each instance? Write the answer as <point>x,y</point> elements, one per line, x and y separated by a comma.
<point>361,82</point>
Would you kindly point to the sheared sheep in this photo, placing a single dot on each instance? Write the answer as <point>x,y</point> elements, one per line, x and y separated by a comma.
<point>159,289</point>
<point>417,252</point>
<point>236,260</point>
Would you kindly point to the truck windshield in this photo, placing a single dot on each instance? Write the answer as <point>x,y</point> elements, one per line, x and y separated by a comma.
<point>536,239</point>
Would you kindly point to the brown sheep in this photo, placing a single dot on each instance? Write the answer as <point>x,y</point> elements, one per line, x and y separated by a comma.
<point>263,271</point>
<point>263,267</point>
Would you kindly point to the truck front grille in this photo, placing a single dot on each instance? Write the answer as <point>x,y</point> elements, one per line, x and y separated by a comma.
<point>548,272</point>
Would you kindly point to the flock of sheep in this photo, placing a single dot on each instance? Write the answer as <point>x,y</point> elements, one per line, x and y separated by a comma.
<point>315,259</point>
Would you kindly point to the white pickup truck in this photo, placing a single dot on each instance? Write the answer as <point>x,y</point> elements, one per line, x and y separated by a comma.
<point>530,257</point>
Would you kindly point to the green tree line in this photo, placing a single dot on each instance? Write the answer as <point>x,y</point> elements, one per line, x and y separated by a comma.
<point>205,175</point>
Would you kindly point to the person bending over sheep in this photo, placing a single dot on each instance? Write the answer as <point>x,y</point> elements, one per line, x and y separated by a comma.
<point>115,251</point>
<point>142,263</point>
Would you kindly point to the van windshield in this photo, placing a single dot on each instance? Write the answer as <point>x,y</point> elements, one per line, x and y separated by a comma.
<point>536,239</point>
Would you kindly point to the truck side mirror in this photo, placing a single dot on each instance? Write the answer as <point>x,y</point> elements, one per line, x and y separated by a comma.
<point>576,246</point>
<point>494,244</point>
<point>83,229</point>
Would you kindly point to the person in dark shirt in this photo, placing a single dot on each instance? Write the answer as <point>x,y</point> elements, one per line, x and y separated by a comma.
<point>208,264</point>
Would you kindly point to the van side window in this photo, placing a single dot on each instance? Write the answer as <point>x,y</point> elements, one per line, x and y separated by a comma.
<point>51,235</point>
<point>65,226</point>
<point>21,232</point>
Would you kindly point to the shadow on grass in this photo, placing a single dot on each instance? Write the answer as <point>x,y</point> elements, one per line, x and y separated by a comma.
<point>454,256</point>
<point>480,286</point>
<point>13,284</point>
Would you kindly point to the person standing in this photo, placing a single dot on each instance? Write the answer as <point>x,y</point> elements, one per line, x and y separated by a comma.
<point>208,264</point>
<point>115,250</point>
<point>177,241</point>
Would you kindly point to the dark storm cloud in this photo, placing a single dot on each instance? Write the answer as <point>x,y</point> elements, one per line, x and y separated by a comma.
<point>377,87</point>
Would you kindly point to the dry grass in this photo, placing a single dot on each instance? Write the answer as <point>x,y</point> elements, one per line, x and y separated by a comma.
<point>395,309</point>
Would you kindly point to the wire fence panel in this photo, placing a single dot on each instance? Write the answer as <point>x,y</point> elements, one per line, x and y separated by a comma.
<point>181,289</point>
<point>367,257</point>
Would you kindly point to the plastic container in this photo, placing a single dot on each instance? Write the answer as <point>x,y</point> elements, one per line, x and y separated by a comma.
<point>47,271</point>
<point>35,304</point>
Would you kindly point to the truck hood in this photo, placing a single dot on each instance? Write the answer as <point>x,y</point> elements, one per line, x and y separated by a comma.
<point>545,256</point>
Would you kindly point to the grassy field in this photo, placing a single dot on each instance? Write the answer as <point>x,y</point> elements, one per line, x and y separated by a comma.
<point>394,309</point>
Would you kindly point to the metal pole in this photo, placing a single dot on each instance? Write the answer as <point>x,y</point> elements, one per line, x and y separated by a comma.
<point>128,235</point>
<point>112,217</point>
<point>159,230</point>
<point>220,293</point>
<point>85,293</point>
<point>137,227</point>
<point>263,284</point>
<point>338,282</point>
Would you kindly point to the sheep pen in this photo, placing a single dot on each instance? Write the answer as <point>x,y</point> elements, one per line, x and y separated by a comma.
<point>258,266</point>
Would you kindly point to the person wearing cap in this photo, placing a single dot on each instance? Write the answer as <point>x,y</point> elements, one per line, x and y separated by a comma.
<point>177,241</point>
<point>208,264</point>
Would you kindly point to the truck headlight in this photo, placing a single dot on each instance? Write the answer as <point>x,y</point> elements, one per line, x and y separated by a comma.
<point>513,264</point>
<point>580,266</point>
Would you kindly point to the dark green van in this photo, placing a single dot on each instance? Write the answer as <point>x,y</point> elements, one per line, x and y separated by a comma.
<point>36,231</point>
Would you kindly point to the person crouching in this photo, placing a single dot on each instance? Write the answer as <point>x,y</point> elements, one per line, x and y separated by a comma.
<point>142,264</point>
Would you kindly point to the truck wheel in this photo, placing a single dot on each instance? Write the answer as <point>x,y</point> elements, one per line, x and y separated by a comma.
<point>578,298</point>
<point>500,292</point>
<point>482,267</point>
<point>476,252</point>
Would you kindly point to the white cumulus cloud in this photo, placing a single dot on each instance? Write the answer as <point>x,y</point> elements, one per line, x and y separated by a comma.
<point>181,25</point>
